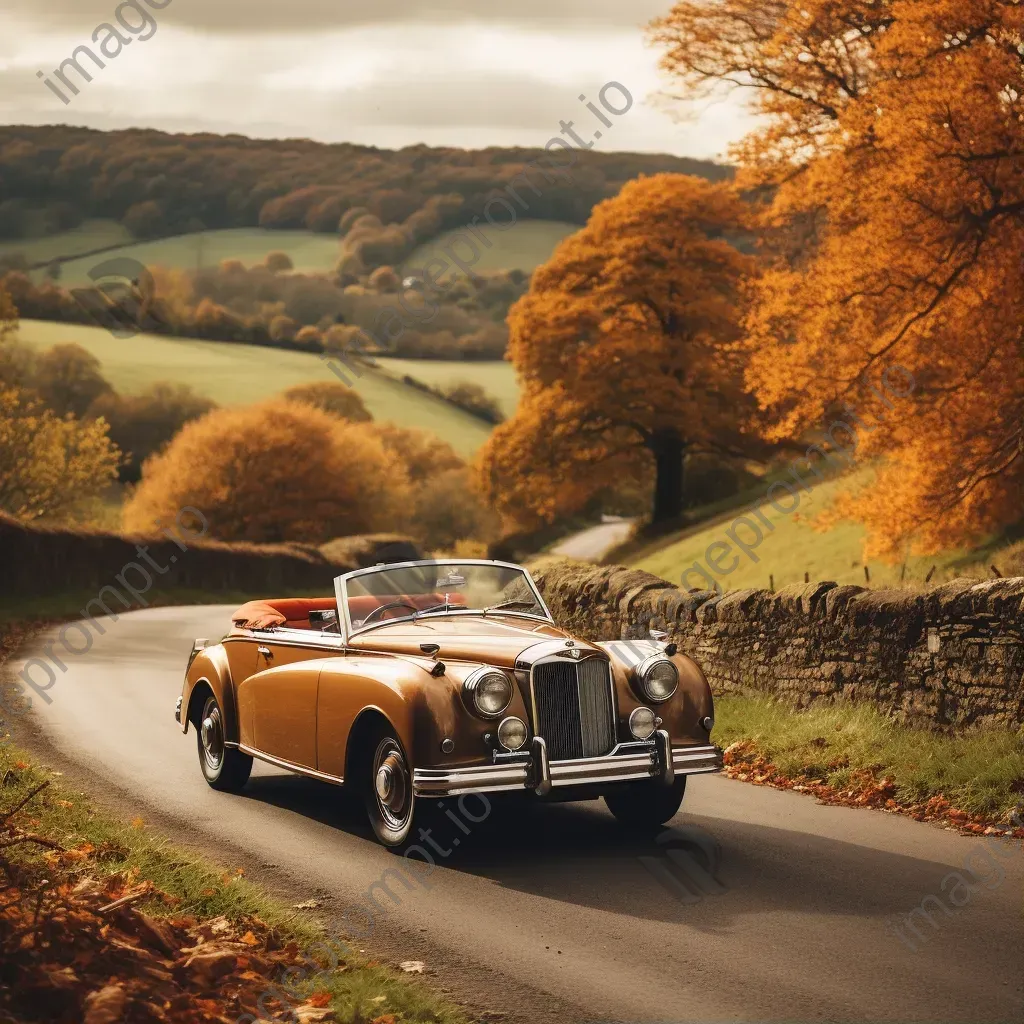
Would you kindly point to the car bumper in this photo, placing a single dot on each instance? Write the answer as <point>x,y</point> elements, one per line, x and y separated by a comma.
<point>629,762</point>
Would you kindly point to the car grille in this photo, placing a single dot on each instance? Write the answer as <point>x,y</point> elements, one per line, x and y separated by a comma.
<point>574,708</point>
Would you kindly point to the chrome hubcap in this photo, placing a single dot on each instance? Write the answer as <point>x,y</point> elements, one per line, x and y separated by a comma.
<point>212,734</point>
<point>391,784</point>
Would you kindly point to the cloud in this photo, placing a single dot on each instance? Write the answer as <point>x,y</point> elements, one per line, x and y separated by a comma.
<point>255,16</point>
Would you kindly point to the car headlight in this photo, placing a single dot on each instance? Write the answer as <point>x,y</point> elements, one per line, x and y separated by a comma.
<point>658,678</point>
<point>512,733</point>
<point>487,691</point>
<point>642,723</point>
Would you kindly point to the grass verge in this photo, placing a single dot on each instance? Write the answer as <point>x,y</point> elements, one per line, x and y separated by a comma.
<point>855,754</point>
<point>97,846</point>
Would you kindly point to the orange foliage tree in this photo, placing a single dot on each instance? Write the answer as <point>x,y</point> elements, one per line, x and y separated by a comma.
<point>891,149</point>
<point>626,351</point>
<point>273,472</point>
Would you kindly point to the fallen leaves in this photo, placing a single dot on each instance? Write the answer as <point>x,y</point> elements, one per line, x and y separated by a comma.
<point>743,761</point>
<point>80,948</point>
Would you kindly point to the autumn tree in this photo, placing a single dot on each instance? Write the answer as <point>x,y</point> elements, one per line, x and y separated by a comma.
<point>273,472</point>
<point>142,424</point>
<point>51,467</point>
<point>445,505</point>
<point>626,351</point>
<point>335,398</point>
<point>69,379</point>
<point>891,155</point>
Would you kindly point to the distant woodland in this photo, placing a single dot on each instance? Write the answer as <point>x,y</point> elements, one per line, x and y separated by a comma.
<point>158,184</point>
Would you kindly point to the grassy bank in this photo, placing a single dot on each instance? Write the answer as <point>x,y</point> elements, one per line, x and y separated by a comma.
<point>854,754</point>
<point>791,549</point>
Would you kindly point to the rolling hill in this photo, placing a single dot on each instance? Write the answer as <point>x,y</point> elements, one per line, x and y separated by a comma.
<point>233,374</point>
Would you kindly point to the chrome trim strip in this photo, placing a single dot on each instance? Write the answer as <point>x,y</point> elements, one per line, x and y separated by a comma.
<point>499,777</point>
<point>278,762</point>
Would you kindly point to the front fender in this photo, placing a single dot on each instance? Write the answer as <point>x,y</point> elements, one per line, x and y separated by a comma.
<point>682,714</point>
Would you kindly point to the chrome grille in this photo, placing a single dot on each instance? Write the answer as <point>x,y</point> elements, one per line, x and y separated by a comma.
<point>574,707</point>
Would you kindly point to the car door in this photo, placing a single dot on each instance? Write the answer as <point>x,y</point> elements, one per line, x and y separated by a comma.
<point>281,695</point>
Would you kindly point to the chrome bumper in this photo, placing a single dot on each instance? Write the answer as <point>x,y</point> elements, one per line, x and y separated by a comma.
<point>628,762</point>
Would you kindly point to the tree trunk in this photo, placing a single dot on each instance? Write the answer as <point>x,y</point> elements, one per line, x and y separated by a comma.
<point>668,449</point>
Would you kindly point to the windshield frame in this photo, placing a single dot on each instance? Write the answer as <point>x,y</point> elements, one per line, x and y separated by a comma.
<point>341,593</point>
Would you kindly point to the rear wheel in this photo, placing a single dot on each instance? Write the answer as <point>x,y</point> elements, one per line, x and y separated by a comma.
<point>225,768</point>
<point>646,804</point>
<point>387,788</point>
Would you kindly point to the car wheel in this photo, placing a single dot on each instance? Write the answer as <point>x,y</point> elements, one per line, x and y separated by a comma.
<point>225,768</point>
<point>646,804</point>
<point>388,792</point>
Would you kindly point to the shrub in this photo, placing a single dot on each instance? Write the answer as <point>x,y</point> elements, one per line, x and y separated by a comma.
<point>278,261</point>
<point>283,328</point>
<point>331,397</point>
<point>309,337</point>
<point>384,279</point>
<point>349,217</point>
<point>443,506</point>
<point>471,396</point>
<point>50,465</point>
<point>145,220</point>
<point>68,379</point>
<point>141,425</point>
<point>447,510</point>
<point>273,472</point>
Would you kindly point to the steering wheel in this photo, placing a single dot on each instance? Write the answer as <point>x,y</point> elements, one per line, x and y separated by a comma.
<point>385,607</point>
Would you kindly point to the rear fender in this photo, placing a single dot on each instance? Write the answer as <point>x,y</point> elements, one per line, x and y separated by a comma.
<point>210,668</point>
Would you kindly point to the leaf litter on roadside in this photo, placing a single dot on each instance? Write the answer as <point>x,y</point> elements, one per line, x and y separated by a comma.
<point>78,948</point>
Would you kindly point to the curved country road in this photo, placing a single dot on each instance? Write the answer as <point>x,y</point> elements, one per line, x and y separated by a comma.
<point>553,913</point>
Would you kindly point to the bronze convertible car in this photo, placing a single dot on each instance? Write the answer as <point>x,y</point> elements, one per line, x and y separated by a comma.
<point>441,678</point>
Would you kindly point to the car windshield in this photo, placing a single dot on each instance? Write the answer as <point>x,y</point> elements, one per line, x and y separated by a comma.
<point>411,590</point>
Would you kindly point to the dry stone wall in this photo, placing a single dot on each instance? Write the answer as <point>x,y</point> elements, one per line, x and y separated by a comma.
<point>950,656</point>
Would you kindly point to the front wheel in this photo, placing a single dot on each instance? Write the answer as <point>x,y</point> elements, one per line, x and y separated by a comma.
<point>387,789</point>
<point>225,768</point>
<point>646,804</point>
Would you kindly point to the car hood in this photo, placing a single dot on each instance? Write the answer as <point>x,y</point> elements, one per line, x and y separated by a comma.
<point>494,640</point>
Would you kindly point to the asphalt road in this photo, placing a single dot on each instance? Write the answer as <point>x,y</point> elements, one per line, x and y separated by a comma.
<point>592,544</point>
<point>554,913</point>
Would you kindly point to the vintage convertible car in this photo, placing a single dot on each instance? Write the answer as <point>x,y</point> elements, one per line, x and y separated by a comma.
<point>443,678</point>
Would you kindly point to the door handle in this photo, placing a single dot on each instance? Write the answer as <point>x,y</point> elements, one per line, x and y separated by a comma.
<point>265,651</point>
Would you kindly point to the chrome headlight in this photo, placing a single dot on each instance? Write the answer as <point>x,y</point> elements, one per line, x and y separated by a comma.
<point>487,691</point>
<point>658,678</point>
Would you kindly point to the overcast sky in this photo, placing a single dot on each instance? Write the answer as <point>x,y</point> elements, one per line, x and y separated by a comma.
<point>388,73</point>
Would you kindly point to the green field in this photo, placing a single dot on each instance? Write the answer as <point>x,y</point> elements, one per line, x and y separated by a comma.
<point>522,247</point>
<point>89,235</point>
<point>309,251</point>
<point>793,548</point>
<point>496,377</point>
<point>239,374</point>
